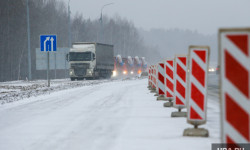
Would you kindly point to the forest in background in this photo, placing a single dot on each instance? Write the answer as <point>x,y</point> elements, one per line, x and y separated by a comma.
<point>51,17</point>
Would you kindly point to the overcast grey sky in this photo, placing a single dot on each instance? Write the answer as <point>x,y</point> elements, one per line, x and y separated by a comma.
<point>205,16</point>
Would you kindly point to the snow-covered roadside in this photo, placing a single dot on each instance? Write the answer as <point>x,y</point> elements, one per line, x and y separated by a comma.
<point>14,91</point>
<point>17,90</point>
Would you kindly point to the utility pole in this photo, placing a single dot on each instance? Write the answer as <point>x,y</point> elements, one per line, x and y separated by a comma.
<point>69,25</point>
<point>28,32</point>
<point>100,37</point>
<point>69,44</point>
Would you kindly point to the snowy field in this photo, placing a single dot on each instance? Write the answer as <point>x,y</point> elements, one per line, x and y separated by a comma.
<point>17,90</point>
<point>97,115</point>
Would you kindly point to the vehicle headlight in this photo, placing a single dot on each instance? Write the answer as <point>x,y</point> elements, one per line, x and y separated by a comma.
<point>211,69</point>
<point>71,72</point>
<point>114,73</point>
<point>124,72</point>
<point>131,72</point>
<point>90,72</point>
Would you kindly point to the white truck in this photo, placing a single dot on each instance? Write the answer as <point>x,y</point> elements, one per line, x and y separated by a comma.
<point>90,61</point>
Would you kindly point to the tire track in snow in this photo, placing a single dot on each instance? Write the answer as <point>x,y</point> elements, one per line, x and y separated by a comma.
<point>92,119</point>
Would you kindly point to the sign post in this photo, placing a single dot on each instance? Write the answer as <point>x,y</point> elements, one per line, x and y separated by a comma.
<point>48,76</point>
<point>197,95</point>
<point>48,44</point>
<point>234,50</point>
<point>55,64</point>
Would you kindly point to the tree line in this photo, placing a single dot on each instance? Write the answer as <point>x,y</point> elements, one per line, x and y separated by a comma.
<point>51,17</point>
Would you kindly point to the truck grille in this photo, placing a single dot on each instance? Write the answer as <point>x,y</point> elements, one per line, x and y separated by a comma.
<point>80,68</point>
<point>80,71</point>
<point>80,65</point>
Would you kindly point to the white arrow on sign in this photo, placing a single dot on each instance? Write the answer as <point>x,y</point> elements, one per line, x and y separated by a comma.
<point>44,43</point>
<point>52,40</point>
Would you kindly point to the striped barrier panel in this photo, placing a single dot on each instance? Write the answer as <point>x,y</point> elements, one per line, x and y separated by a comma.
<point>235,85</point>
<point>161,85</point>
<point>197,95</point>
<point>149,76</point>
<point>153,75</point>
<point>169,79</point>
<point>180,81</point>
<point>156,78</point>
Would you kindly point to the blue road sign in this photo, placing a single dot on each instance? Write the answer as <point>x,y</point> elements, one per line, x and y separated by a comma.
<point>48,42</point>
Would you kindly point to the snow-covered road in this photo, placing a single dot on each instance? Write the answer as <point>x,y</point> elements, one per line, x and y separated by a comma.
<point>118,115</point>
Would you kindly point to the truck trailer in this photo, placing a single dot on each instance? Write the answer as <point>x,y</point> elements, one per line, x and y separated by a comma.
<point>90,60</point>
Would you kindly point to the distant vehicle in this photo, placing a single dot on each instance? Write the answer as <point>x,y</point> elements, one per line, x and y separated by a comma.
<point>211,69</point>
<point>218,69</point>
<point>137,65</point>
<point>90,60</point>
<point>119,66</point>
<point>125,66</point>
<point>144,64</point>
<point>130,65</point>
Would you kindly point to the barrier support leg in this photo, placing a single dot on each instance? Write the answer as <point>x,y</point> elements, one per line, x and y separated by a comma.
<point>179,113</point>
<point>153,90</point>
<point>161,97</point>
<point>168,104</point>
<point>200,132</point>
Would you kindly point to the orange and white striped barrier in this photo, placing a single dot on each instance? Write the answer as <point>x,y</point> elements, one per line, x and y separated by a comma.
<point>153,79</point>
<point>149,77</point>
<point>235,85</point>
<point>197,95</point>
<point>169,79</point>
<point>161,81</point>
<point>156,80</point>
<point>169,82</point>
<point>180,85</point>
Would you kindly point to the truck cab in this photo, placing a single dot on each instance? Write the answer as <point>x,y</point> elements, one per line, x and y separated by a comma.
<point>90,60</point>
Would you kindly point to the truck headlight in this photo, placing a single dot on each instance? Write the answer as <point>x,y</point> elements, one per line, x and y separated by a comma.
<point>71,72</point>
<point>90,72</point>
<point>114,73</point>
<point>211,69</point>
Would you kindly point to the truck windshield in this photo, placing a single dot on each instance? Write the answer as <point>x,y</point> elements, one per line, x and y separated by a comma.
<point>80,56</point>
